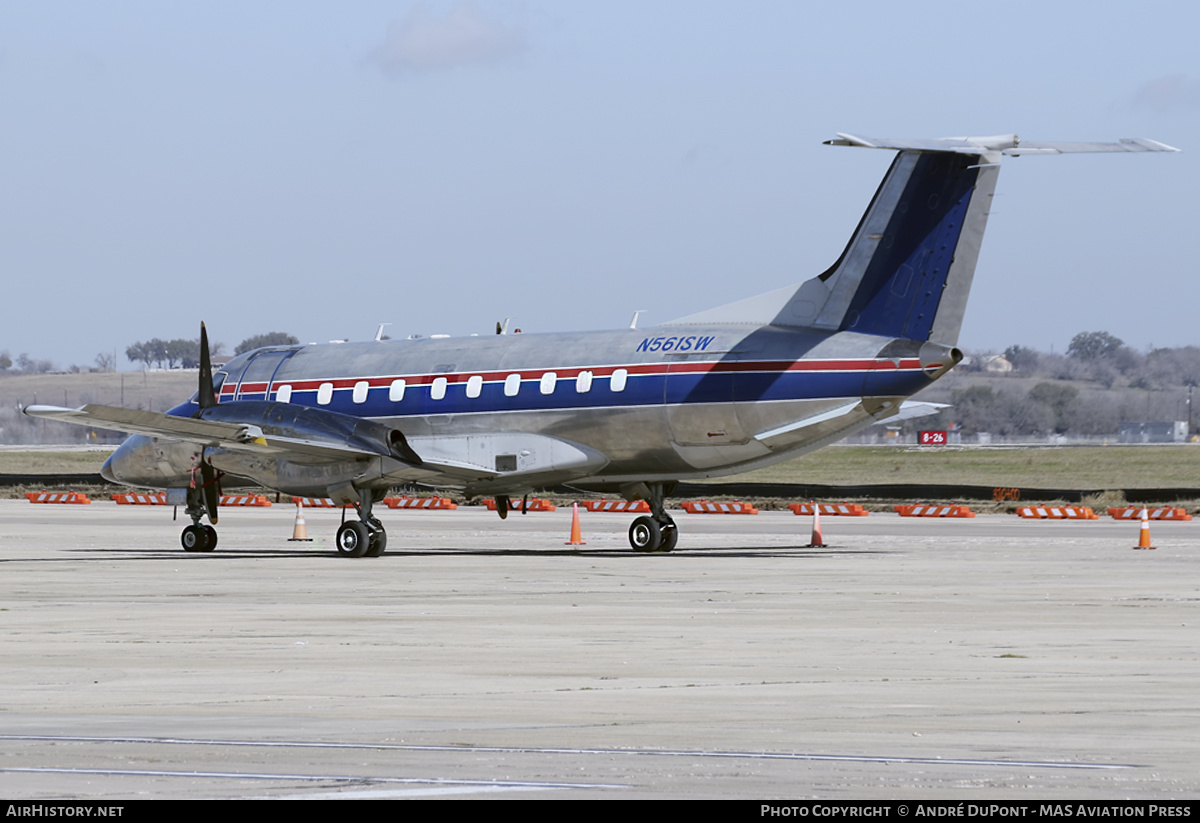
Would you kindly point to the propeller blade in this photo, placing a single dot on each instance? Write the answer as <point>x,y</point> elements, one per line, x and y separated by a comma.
<point>207,397</point>
<point>208,478</point>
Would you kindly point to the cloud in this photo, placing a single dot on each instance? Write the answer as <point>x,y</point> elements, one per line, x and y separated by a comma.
<point>462,36</point>
<point>1166,94</point>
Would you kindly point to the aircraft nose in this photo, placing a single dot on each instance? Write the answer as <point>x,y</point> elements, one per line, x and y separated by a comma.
<point>107,471</point>
<point>120,467</point>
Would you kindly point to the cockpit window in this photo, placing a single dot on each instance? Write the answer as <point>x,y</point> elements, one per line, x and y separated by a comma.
<point>218,381</point>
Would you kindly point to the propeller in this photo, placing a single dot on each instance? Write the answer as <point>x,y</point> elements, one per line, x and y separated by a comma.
<point>212,490</point>
<point>207,398</point>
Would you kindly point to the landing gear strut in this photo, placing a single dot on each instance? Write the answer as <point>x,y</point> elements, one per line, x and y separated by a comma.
<point>364,537</point>
<point>658,532</point>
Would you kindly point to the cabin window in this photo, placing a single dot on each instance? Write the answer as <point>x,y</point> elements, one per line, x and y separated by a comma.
<point>512,385</point>
<point>583,383</point>
<point>324,394</point>
<point>396,391</point>
<point>438,390</point>
<point>547,384</point>
<point>360,391</point>
<point>617,383</point>
<point>283,394</point>
<point>474,385</point>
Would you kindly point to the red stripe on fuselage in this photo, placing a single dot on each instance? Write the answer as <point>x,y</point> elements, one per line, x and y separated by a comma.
<point>862,365</point>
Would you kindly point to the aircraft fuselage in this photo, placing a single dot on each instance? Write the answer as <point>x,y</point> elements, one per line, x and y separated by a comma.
<point>666,402</point>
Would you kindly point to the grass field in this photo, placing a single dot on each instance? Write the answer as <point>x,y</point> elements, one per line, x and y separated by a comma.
<point>1067,467</point>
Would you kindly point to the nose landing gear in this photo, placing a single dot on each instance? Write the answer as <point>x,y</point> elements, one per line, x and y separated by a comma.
<point>198,538</point>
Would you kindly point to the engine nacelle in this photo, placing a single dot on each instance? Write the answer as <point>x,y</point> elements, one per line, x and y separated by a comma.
<point>317,425</point>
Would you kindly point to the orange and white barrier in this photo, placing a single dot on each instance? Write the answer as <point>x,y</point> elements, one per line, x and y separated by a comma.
<point>1162,513</point>
<point>708,507</point>
<point>922,510</point>
<point>137,499</point>
<point>316,502</point>
<point>1057,513</point>
<point>835,509</point>
<point>244,500</point>
<point>57,497</point>
<point>425,503</point>
<point>638,506</point>
<point>536,504</point>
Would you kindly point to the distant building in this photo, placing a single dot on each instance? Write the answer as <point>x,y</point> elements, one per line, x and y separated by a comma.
<point>996,364</point>
<point>1176,432</point>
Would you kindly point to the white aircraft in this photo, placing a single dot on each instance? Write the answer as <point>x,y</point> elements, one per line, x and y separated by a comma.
<point>727,390</point>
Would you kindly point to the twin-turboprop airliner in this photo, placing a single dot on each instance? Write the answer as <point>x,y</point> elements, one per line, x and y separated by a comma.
<point>633,411</point>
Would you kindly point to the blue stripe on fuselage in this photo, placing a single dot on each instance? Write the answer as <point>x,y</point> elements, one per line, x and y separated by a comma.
<point>641,390</point>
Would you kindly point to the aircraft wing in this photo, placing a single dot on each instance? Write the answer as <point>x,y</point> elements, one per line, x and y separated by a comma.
<point>453,459</point>
<point>212,433</point>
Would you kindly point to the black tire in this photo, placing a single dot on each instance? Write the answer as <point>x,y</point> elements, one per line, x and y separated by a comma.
<point>197,539</point>
<point>670,536</point>
<point>645,535</point>
<point>377,544</point>
<point>353,539</point>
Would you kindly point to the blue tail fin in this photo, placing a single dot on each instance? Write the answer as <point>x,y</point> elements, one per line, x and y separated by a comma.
<point>908,268</point>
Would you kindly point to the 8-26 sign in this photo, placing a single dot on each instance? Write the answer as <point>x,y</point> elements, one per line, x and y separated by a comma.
<point>932,438</point>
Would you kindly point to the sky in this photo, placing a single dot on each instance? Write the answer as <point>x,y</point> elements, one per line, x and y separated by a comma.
<point>321,168</point>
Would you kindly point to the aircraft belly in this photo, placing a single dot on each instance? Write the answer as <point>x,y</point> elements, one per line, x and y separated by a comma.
<point>629,438</point>
<point>304,478</point>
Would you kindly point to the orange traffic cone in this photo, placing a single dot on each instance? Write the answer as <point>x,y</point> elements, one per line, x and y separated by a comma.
<point>300,530</point>
<point>818,542</point>
<point>1144,537</point>
<point>576,535</point>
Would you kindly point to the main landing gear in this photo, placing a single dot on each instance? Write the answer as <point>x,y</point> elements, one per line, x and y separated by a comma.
<point>658,532</point>
<point>364,537</point>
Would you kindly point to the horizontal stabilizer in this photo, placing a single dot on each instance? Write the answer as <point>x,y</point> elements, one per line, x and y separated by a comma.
<point>911,409</point>
<point>1007,144</point>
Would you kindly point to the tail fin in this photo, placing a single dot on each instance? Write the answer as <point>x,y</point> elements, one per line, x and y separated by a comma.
<point>908,267</point>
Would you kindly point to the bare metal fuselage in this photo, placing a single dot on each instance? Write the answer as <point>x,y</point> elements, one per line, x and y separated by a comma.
<point>600,409</point>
